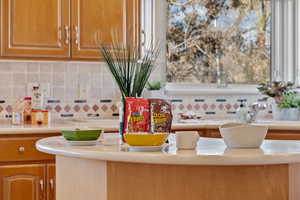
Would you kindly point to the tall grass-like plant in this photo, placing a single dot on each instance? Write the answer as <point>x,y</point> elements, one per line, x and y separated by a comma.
<point>130,68</point>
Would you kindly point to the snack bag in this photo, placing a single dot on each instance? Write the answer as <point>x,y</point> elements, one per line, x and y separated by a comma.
<point>137,116</point>
<point>161,115</point>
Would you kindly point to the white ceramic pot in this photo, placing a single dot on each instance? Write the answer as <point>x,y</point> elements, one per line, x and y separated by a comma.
<point>291,114</point>
<point>156,93</point>
<point>276,112</point>
<point>240,135</point>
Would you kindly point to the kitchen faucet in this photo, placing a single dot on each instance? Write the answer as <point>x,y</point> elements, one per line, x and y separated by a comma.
<point>254,109</point>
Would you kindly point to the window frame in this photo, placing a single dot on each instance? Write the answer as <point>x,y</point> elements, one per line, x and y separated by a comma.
<point>285,53</point>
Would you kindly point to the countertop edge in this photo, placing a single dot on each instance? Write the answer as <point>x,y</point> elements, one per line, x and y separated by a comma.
<point>169,159</point>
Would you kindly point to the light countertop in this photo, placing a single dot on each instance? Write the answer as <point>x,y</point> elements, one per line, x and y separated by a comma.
<point>113,125</point>
<point>209,151</point>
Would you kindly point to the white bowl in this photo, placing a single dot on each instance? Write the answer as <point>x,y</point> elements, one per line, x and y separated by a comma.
<point>238,135</point>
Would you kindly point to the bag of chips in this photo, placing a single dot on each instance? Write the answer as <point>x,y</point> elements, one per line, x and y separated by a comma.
<point>137,116</point>
<point>160,115</point>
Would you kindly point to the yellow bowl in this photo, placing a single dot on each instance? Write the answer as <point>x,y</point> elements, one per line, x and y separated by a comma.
<point>135,139</point>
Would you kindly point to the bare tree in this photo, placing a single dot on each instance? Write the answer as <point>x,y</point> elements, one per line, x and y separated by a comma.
<point>206,36</point>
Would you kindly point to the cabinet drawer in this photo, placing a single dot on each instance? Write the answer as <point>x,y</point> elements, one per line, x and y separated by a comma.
<point>21,149</point>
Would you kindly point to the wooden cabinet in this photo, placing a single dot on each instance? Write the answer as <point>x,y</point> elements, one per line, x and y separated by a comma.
<point>25,173</point>
<point>97,22</point>
<point>35,28</point>
<point>51,182</point>
<point>22,182</point>
<point>67,29</point>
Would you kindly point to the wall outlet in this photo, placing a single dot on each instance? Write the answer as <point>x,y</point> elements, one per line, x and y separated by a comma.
<point>46,89</point>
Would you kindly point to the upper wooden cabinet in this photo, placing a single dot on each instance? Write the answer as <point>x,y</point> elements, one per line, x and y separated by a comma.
<point>66,28</point>
<point>94,22</point>
<point>35,28</point>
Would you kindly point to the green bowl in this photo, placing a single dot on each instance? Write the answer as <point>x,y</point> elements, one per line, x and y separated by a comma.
<point>81,135</point>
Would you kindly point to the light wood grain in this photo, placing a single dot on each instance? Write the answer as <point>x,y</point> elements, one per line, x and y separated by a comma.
<point>294,181</point>
<point>95,22</point>
<point>51,182</point>
<point>21,149</point>
<point>24,182</point>
<point>80,179</point>
<point>128,181</point>
<point>35,28</point>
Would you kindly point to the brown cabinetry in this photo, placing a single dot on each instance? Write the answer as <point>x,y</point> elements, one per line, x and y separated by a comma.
<point>22,182</point>
<point>25,173</point>
<point>51,182</point>
<point>97,22</point>
<point>67,29</point>
<point>35,28</point>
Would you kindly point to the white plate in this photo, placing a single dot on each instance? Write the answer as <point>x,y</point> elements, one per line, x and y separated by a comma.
<point>82,143</point>
<point>145,148</point>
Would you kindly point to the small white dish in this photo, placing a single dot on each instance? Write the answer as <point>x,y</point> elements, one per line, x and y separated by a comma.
<point>187,139</point>
<point>82,143</point>
<point>145,148</point>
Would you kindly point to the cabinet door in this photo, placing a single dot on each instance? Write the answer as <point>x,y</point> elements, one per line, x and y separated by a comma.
<point>51,182</point>
<point>35,28</point>
<point>22,182</point>
<point>96,22</point>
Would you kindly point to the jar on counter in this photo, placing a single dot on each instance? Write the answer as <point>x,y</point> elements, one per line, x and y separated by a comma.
<point>27,111</point>
<point>40,117</point>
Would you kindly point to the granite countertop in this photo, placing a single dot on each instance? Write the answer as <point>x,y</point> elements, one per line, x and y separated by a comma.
<point>113,125</point>
<point>209,151</point>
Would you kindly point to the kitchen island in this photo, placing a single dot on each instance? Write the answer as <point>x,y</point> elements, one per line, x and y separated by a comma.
<point>211,172</point>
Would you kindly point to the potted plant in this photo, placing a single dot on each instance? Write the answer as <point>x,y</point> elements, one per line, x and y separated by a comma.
<point>155,89</point>
<point>130,69</point>
<point>277,91</point>
<point>289,107</point>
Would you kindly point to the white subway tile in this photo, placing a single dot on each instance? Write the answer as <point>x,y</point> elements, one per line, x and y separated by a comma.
<point>33,67</point>
<point>46,77</point>
<point>33,77</point>
<point>46,67</point>
<point>19,79</point>
<point>59,67</point>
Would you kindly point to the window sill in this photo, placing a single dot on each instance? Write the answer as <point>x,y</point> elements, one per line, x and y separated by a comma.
<point>189,89</point>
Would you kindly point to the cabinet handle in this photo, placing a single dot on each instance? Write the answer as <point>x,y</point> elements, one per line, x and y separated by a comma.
<point>42,185</point>
<point>67,31</point>
<point>21,149</point>
<point>51,184</point>
<point>76,41</point>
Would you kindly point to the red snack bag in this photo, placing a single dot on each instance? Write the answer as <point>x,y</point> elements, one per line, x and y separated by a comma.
<point>137,115</point>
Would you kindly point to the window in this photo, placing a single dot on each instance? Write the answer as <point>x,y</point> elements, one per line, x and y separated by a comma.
<point>236,42</point>
<point>223,40</point>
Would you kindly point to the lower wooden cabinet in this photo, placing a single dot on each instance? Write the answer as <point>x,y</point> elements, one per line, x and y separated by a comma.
<point>20,182</point>
<point>51,181</point>
<point>25,173</point>
<point>27,182</point>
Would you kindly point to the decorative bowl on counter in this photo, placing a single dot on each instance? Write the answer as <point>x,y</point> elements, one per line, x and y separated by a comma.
<point>82,134</point>
<point>241,135</point>
<point>145,139</point>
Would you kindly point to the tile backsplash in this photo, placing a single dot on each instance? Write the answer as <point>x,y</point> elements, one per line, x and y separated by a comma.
<point>75,87</point>
<point>80,89</point>
<point>67,80</point>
